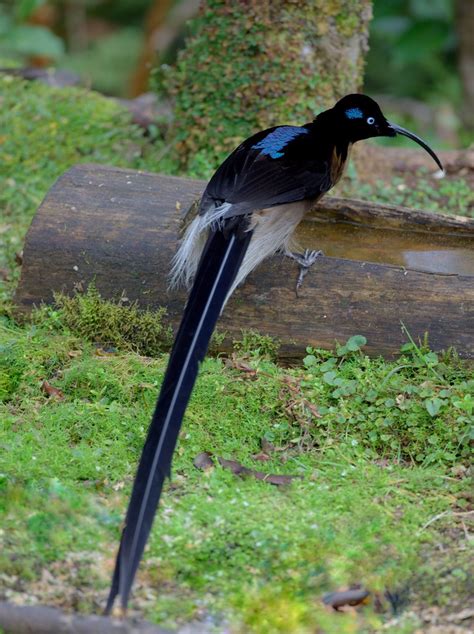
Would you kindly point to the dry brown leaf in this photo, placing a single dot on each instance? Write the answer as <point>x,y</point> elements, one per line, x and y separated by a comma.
<point>261,457</point>
<point>51,391</point>
<point>234,466</point>
<point>203,461</point>
<point>236,364</point>
<point>267,446</point>
<point>276,479</point>
<point>239,469</point>
<point>341,598</point>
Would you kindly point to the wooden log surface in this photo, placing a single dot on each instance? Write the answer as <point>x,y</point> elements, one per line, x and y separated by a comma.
<point>41,619</point>
<point>383,265</point>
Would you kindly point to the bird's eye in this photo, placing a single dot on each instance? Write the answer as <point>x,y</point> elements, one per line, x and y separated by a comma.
<point>370,120</point>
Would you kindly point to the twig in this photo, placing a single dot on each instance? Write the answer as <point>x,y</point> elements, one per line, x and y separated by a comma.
<point>434,519</point>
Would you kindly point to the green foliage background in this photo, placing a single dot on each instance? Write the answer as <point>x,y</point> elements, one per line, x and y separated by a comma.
<point>413,50</point>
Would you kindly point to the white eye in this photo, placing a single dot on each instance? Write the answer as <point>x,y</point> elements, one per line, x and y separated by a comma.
<point>370,120</point>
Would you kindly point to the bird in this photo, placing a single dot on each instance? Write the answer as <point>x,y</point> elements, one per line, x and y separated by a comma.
<point>248,211</point>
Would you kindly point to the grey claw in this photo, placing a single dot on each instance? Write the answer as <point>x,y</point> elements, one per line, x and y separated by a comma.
<point>310,257</point>
<point>305,261</point>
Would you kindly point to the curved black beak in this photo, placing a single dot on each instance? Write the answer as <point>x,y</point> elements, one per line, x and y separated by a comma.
<point>399,130</point>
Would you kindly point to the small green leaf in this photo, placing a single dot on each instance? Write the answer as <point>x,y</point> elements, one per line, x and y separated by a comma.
<point>345,388</point>
<point>466,404</point>
<point>371,395</point>
<point>309,360</point>
<point>328,365</point>
<point>433,405</point>
<point>330,377</point>
<point>431,358</point>
<point>355,343</point>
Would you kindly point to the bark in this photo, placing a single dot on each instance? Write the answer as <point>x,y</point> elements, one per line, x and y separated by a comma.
<point>40,619</point>
<point>465,29</point>
<point>382,264</point>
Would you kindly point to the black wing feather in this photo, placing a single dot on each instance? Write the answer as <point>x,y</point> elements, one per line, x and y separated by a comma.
<point>252,179</point>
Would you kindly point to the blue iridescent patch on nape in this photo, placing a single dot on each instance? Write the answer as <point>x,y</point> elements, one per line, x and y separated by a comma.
<point>354,113</point>
<point>273,144</point>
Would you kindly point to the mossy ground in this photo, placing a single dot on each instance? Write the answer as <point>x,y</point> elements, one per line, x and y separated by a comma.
<point>43,132</point>
<point>384,498</point>
<point>226,549</point>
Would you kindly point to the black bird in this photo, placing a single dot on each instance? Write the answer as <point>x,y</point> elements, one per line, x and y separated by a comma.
<point>249,210</point>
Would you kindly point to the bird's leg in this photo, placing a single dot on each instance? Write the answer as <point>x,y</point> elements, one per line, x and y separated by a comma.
<point>305,261</point>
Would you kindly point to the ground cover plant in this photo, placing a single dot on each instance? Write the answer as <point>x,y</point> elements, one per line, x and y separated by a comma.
<point>377,491</point>
<point>381,449</point>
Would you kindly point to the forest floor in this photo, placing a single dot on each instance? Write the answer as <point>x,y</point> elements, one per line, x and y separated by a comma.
<point>379,453</point>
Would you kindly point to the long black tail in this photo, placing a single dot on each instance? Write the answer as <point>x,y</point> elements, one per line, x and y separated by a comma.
<point>217,270</point>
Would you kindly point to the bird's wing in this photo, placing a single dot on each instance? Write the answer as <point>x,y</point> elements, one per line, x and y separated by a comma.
<point>273,167</point>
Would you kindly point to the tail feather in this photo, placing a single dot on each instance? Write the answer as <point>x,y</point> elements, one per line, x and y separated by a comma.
<point>219,265</point>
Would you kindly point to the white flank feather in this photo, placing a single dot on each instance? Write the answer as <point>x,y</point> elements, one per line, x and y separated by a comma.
<point>273,228</point>
<point>186,259</point>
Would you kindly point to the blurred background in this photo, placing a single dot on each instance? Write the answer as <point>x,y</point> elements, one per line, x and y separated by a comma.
<point>420,64</point>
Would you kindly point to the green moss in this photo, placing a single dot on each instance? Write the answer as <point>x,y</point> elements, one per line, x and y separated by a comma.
<point>43,132</point>
<point>248,66</point>
<point>110,323</point>
<point>254,343</point>
<point>235,550</point>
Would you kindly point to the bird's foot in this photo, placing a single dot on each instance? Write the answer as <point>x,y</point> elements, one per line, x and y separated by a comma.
<point>305,261</point>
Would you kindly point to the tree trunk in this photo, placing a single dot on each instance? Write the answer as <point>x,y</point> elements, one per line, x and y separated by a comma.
<point>465,29</point>
<point>251,64</point>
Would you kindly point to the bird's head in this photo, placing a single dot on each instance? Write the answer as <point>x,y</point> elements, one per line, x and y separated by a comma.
<point>359,117</point>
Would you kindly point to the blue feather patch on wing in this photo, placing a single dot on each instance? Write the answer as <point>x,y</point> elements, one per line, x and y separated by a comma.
<point>354,113</point>
<point>274,143</point>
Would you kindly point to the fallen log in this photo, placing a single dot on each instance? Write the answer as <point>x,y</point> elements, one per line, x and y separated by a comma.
<point>382,265</point>
<point>41,619</point>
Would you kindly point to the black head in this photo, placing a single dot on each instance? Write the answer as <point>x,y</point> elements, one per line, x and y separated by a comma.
<point>359,117</point>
